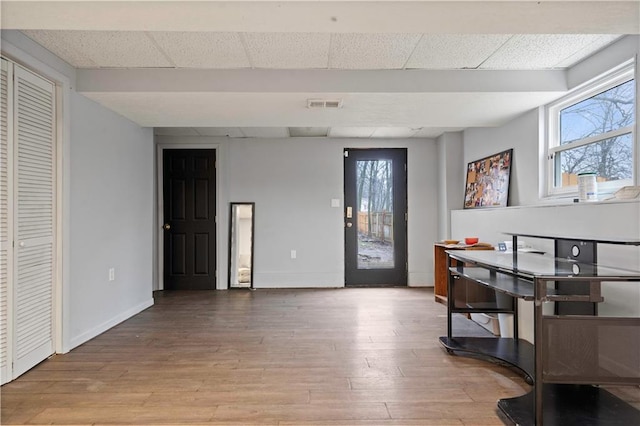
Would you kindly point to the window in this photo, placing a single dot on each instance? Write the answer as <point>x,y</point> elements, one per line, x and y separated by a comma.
<point>592,131</point>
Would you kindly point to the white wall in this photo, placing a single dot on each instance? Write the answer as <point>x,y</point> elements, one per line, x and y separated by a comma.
<point>623,50</point>
<point>105,205</point>
<point>450,179</point>
<point>521,134</point>
<point>292,182</point>
<point>111,210</point>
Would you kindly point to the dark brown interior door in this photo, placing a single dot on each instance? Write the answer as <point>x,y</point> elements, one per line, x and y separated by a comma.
<point>189,219</point>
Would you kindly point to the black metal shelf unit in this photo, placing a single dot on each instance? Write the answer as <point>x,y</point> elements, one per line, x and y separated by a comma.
<point>574,347</point>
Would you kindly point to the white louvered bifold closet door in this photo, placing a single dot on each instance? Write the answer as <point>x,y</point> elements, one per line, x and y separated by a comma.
<point>34,207</point>
<point>5,374</point>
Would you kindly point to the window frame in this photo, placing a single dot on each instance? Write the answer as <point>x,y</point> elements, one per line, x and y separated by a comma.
<point>552,147</point>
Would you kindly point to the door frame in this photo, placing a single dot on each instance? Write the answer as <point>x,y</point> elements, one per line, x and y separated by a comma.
<point>405,250</point>
<point>159,217</point>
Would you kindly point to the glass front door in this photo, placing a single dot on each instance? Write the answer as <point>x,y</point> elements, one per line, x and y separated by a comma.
<point>375,217</point>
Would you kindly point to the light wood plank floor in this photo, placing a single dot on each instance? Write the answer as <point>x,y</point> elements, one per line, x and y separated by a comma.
<point>360,356</point>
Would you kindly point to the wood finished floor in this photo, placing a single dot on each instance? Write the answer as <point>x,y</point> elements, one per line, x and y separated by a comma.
<point>361,356</point>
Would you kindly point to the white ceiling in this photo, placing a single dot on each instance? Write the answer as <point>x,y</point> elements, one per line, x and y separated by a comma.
<point>374,56</point>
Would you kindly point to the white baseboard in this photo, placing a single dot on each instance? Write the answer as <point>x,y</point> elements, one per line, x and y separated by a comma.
<point>298,280</point>
<point>420,279</point>
<point>96,331</point>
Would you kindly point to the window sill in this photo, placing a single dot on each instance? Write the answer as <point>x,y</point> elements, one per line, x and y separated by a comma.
<point>606,197</point>
<point>603,199</point>
<point>553,203</point>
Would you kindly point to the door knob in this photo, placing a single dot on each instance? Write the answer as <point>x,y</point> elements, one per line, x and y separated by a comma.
<point>166,226</point>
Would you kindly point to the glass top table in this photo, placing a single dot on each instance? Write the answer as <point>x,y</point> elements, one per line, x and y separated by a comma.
<point>610,240</point>
<point>563,383</point>
<point>537,265</point>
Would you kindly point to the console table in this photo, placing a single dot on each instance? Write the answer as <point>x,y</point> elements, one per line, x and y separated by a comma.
<point>574,348</point>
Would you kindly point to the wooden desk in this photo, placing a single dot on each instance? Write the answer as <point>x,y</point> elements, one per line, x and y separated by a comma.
<point>440,271</point>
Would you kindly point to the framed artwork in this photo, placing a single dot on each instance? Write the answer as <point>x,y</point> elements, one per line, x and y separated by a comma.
<point>487,182</point>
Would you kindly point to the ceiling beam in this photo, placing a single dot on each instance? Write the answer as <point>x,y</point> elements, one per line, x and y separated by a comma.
<point>317,81</point>
<point>387,98</point>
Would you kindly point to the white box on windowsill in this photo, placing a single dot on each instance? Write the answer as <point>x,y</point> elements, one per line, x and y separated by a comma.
<point>488,321</point>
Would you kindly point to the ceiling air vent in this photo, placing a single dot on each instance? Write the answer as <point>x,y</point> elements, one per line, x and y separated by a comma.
<point>324,103</point>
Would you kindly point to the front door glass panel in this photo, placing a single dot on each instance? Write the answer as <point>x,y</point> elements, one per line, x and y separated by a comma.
<point>374,180</point>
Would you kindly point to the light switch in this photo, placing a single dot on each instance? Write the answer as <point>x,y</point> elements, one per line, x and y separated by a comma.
<point>335,202</point>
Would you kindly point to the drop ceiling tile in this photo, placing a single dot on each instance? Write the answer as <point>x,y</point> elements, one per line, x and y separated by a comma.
<point>434,132</point>
<point>540,51</point>
<point>64,45</point>
<point>232,132</point>
<point>598,43</point>
<point>265,132</point>
<point>288,50</point>
<point>117,49</point>
<point>394,132</point>
<point>454,51</point>
<point>351,132</point>
<point>306,132</point>
<point>371,51</point>
<point>203,50</point>
<point>175,131</point>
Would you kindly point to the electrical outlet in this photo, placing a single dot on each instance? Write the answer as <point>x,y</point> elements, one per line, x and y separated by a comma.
<point>294,254</point>
<point>112,274</point>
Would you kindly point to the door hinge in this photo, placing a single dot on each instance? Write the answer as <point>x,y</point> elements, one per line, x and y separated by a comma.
<point>406,217</point>
<point>346,154</point>
<point>405,167</point>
